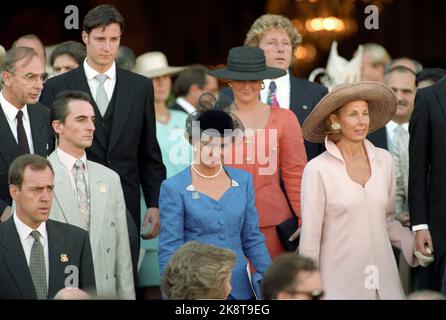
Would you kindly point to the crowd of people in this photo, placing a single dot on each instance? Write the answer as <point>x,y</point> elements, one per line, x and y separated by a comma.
<point>124,177</point>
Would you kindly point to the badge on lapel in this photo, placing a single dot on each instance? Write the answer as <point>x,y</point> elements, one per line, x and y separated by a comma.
<point>102,188</point>
<point>63,257</point>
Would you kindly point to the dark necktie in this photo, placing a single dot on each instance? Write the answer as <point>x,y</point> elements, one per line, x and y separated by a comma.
<point>22,140</point>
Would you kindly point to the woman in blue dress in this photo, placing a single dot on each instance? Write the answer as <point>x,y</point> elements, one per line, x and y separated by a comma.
<point>214,204</point>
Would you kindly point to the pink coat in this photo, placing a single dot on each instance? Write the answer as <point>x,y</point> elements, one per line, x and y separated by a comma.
<point>348,230</point>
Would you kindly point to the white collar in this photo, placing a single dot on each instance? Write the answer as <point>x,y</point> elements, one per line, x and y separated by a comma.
<point>24,231</point>
<point>392,125</point>
<point>90,73</point>
<point>280,82</point>
<point>68,160</point>
<point>11,111</point>
<point>186,105</point>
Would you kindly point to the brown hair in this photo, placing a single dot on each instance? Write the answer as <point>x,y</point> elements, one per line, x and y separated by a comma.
<point>18,166</point>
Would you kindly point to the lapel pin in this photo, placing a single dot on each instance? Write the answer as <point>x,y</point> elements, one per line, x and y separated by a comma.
<point>63,257</point>
<point>195,195</point>
<point>102,188</point>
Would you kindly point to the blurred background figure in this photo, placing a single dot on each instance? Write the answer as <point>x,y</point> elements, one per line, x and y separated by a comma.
<point>67,56</point>
<point>31,41</point>
<point>72,294</point>
<point>291,276</point>
<point>409,63</point>
<point>125,58</point>
<point>429,76</point>
<point>170,127</point>
<point>374,60</point>
<point>198,271</point>
<point>190,85</point>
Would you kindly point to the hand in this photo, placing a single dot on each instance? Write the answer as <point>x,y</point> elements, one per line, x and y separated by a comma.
<point>423,238</point>
<point>404,218</point>
<point>152,216</point>
<point>6,214</point>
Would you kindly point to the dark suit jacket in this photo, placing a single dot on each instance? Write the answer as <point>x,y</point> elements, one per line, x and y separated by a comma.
<point>133,150</point>
<point>43,142</point>
<point>15,277</point>
<point>427,172</point>
<point>304,96</point>
<point>379,138</point>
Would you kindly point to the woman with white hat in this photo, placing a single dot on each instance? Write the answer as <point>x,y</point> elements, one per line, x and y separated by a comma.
<point>170,126</point>
<point>348,196</point>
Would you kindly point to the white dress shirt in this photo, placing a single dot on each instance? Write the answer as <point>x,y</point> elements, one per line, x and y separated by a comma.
<point>186,105</point>
<point>27,241</point>
<point>109,84</point>
<point>283,90</point>
<point>11,113</point>
<point>68,161</point>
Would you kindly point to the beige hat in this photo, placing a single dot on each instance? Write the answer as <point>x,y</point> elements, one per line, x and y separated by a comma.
<point>154,64</point>
<point>380,98</point>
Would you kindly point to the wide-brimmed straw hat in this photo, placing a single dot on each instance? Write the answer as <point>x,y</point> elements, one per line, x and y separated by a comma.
<point>380,98</point>
<point>246,63</point>
<point>154,64</point>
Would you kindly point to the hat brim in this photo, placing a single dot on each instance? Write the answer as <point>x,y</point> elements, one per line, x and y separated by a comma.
<point>380,99</point>
<point>268,73</point>
<point>167,71</point>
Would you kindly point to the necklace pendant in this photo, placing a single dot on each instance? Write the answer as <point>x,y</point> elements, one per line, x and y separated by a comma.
<point>195,195</point>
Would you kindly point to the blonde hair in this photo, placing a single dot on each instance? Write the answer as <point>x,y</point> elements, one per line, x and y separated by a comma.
<point>268,22</point>
<point>198,271</point>
<point>377,53</point>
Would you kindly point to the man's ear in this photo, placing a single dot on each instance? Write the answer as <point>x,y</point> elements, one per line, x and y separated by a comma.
<point>57,126</point>
<point>85,37</point>
<point>6,76</point>
<point>14,191</point>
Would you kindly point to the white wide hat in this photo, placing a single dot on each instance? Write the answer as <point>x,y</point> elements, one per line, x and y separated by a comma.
<point>154,64</point>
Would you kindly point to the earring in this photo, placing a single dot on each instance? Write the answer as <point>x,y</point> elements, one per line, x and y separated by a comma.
<point>336,127</point>
<point>263,85</point>
<point>230,84</point>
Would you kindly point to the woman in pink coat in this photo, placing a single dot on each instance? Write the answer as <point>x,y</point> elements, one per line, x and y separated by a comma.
<point>348,197</point>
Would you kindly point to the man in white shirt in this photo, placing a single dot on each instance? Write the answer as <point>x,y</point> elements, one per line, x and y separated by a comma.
<point>38,257</point>
<point>89,195</point>
<point>24,123</point>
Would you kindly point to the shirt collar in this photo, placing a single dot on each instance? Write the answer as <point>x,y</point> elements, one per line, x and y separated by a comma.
<point>11,111</point>
<point>186,105</point>
<point>280,82</point>
<point>333,149</point>
<point>68,160</point>
<point>90,73</point>
<point>24,231</point>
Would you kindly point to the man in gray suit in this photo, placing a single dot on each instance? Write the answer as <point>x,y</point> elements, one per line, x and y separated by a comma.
<point>89,195</point>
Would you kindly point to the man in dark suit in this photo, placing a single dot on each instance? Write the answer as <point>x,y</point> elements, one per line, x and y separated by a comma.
<point>427,176</point>
<point>278,38</point>
<point>125,137</point>
<point>39,257</point>
<point>24,123</point>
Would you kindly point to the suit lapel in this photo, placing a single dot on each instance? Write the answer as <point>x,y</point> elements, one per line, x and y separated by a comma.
<point>9,148</point>
<point>80,83</point>
<point>98,196</point>
<point>56,242</point>
<point>16,261</point>
<point>124,96</point>
<point>63,191</point>
<point>441,95</point>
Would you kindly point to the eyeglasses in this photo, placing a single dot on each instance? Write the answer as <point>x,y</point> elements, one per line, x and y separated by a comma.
<point>313,295</point>
<point>33,77</point>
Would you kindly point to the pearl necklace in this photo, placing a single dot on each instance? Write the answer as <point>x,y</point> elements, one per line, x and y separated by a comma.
<point>205,176</point>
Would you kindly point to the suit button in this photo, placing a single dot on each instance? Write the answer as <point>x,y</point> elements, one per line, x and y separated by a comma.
<point>112,224</point>
<point>108,250</point>
<point>106,276</point>
<point>108,161</point>
<point>305,107</point>
<point>221,237</point>
<point>218,207</point>
<point>221,222</point>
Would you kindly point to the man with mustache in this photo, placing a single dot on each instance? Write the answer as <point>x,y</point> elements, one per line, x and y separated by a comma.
<point>89,195</point>
<point>24,123</point>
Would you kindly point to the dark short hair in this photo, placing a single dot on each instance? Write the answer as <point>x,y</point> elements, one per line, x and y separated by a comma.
<point>17,54</point>
<point>284,272</point>
<point>59,109</point>
<point>18,166</point>
<point>102,16</point>
<point>433,74</point>
<point>196,74</point>
<point>74,49</point>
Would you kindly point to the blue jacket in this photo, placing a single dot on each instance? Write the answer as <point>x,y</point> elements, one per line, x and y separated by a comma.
<point>231,222</point>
